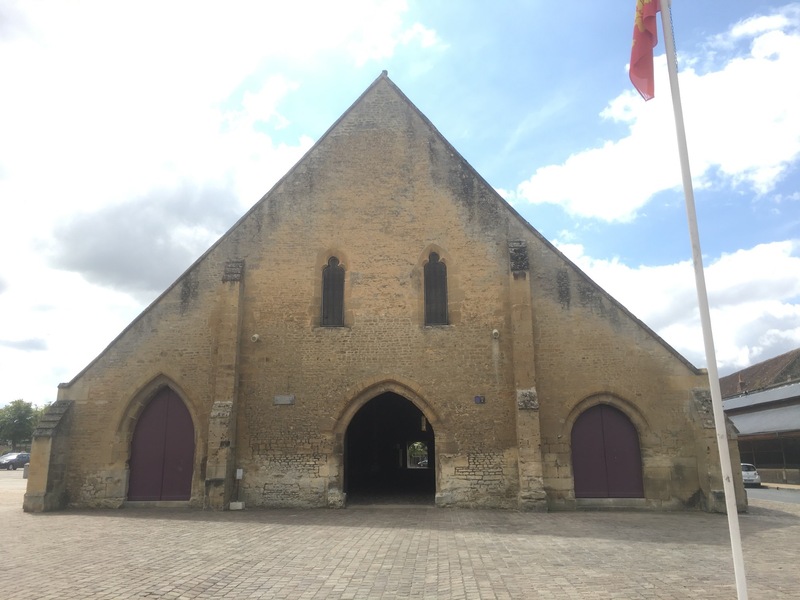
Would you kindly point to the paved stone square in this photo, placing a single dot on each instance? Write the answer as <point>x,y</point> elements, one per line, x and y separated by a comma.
<point>388,552</point>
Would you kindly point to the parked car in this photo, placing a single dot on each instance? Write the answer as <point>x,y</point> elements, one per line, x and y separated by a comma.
<point>750,475</point>
<point>14,460</point>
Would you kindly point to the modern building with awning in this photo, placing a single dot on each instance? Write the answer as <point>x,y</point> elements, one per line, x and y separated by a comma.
<point>763,402</point>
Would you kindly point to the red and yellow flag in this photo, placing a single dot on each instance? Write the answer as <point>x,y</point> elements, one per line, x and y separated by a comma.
<point>645,38</point>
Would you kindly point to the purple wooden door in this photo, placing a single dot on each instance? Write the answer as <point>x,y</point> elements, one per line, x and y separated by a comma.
<point>588,455</point>
<point>162,451</point>
<point>606,459</point>
<point>623,456</point>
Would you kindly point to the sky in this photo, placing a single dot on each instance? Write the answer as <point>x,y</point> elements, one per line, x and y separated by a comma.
<point>133,135</point>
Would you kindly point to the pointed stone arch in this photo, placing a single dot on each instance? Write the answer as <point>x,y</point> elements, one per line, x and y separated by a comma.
<point>159,434</point>
<point>392,391</point>
<point>605,449</point>
<point>376,388</point>
<point>629,408</point>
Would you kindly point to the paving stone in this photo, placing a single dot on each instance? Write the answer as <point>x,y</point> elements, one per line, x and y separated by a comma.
<point>379,552</point>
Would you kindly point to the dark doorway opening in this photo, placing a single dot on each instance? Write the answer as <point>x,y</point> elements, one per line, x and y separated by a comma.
<point>606,458</point>
<point>389,454</point>
<point>162,451</point>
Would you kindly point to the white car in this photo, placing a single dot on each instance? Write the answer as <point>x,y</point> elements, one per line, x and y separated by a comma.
<point>750,475</point>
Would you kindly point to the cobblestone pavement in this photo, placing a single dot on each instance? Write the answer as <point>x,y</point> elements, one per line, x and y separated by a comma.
<point>409,552</point>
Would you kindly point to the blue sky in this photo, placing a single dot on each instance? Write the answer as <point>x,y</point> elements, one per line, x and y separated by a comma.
<point>133,135</point>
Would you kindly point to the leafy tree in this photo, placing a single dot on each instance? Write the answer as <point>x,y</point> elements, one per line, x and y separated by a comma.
<point>17,421</point>
<point>38,413</point>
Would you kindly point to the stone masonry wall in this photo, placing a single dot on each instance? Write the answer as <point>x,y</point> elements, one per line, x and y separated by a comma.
<point>381,191</point>
<point>173,343</point>
<point>379,198</point>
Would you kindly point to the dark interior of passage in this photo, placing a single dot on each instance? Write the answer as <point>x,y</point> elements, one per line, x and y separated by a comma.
<point>389,453</point>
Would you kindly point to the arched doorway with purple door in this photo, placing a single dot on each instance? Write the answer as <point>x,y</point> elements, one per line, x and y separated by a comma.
<point>606,457</point>
<point>162,450</point>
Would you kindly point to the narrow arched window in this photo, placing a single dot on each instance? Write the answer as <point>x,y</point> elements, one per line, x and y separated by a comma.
<point>435,291</point>
<point>333,294</point>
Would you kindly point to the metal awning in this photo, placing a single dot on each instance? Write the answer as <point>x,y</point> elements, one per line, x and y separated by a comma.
<point>773,420</point>
<point>776,394</point>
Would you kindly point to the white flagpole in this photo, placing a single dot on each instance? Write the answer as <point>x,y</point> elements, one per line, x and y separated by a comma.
<point>705,316</point>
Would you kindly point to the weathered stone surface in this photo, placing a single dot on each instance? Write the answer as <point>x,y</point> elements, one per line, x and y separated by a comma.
<point>527,330</point>
<point>47,478</point>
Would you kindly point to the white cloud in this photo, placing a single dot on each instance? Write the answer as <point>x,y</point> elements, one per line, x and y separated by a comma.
<point>754,296</point>
<point>111,112</point>
<point>428,38</point>
<point>262,105</point>
<point>72,319</point>
<point>756,25</point>
<point>106,107</point>
<point>143,93</point>
<point>111,102</point>
<point>742,127</point>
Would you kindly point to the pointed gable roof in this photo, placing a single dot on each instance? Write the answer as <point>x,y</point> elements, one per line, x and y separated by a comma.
<point>378,119</point>
<point>383,79</point>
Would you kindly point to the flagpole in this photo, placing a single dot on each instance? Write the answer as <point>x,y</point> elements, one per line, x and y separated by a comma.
<point>705,316</point>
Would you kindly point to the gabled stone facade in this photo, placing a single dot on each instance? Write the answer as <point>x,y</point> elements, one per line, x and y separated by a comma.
<point>457,353</point>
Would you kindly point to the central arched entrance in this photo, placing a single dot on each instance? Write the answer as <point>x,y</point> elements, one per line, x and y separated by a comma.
<point>389,453</point>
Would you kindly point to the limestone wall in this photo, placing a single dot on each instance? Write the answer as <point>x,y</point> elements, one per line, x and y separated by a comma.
<point>381,191</point>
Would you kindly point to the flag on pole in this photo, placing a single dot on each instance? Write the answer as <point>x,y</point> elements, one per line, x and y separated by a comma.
<point>645,38</point>
<point>641,72</point>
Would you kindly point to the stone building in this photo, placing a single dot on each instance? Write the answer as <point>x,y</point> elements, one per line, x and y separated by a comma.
<point>382,322</point>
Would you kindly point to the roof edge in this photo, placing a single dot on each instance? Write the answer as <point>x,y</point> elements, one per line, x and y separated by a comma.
<point>696,370</point>
<point>384,76</point>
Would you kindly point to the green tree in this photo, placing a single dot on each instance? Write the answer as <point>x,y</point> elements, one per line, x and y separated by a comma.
<point>17,421</point>
<point>38,413</point>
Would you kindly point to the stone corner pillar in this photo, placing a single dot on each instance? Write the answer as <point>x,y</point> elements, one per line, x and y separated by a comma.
<point>221,450</point>
<point>709,470</point>
<point>221,455</point>
<point>47,490</point>
<point>532,495</point>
